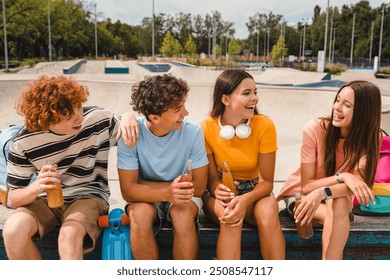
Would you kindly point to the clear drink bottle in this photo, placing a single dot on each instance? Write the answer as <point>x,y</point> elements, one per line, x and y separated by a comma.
<point>304,231</point>
<point>227,177</point>
<point>55,197</point>
<point>187,174</point>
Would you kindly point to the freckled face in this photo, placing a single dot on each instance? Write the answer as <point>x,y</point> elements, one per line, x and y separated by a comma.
<point>69,126</point>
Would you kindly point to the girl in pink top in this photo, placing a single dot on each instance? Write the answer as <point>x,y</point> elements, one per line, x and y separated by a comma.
<point>339,157</point>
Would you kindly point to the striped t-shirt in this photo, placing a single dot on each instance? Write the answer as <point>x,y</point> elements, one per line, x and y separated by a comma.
<point>82,159</point>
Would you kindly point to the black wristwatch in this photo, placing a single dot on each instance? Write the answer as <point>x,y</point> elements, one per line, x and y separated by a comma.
<point>327,192</point>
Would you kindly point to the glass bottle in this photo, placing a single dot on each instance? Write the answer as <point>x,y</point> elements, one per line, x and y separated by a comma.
<point>55,197</point>
<point>304,231</point>
<point>187,174</point>
<point>227,178</point>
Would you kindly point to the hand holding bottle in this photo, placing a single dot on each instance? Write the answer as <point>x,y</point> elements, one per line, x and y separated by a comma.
<point>305,230</point>
<point>53,186</point>
<point>182,186</point>
<point>227,190</point>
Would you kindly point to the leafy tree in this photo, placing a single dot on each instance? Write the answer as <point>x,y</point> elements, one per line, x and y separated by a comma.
<point>234,47</point>
<point>279,49</point>
<point>190,46</point>
<point>177,49</point>
<point>170,46</point>
<point>218,50</point>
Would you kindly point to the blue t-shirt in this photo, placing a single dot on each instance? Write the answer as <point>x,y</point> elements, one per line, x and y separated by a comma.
<point>162,159</point>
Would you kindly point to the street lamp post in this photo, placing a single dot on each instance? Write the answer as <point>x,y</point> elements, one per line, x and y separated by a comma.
<point>5,37</point>
<point>326,30</point>
<point>300,45</point>
<point>152,28</point>
<point>48,23</point>
<point>330,37</point>
<point>209,42</point>
<point>353,34</point>
<point>303,42</point>
<point>380,38</point>
<point>334,43</point>
<point>372,34</point>
<point>96,44</point>
<point>267,45</point>
<point>257,46</point>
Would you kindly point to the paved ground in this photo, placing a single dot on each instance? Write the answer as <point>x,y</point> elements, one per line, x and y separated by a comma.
<point>289,107</point>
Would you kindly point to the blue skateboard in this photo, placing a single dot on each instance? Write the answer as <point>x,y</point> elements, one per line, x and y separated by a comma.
<point>116,236</point>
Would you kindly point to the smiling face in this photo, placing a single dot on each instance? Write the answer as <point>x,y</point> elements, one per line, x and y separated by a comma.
<point>70,125</point>
<point>343,110</point>
<point>242,102</point>
<point>172,119</point>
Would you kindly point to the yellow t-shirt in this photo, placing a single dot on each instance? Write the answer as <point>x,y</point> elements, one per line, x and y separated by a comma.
<point>241,154</point>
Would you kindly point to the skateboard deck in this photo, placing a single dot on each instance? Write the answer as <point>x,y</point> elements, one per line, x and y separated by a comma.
<point>116,235</point>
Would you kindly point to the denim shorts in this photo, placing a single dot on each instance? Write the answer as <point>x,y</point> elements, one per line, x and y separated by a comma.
<point>244,185</point>
<point>163,209</point>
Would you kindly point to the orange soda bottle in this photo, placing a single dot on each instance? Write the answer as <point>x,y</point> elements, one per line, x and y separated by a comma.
<point>187,174</point>
<point>227,178</point>
<point>55,197</point>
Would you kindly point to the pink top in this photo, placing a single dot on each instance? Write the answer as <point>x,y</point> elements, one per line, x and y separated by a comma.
<point>313,151</point>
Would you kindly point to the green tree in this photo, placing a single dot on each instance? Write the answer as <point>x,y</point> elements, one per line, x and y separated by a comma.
<point>170,46</point>
<point>177,49</point>
<point>279,49</point>
<point>190,46</point>
<point>234,48</point>
<point>218,51</point>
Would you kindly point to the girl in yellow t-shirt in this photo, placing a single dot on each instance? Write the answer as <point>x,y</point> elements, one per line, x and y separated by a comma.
<point>235,132</point>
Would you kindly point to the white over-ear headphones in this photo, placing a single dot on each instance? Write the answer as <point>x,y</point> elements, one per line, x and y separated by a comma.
<point>227,132</point>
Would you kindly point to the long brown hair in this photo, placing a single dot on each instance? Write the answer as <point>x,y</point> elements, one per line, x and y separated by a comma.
<point>364,134</point>
<point>226,84</point>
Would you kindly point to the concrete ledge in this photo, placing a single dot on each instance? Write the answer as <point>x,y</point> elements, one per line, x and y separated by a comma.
<point>74,67</point>
<point>369,239</point>
<point>115,67</point>
<point>382,76</point>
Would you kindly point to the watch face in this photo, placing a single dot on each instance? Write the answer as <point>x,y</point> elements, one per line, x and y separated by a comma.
<point>328,192</point>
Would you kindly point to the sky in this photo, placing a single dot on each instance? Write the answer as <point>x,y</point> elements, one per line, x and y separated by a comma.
<point>238,11</point>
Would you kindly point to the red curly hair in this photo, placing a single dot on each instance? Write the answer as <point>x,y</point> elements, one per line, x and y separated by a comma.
<point>49,100</point>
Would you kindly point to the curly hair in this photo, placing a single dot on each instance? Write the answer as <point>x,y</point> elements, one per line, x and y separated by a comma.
<point>48,100</point>
<point>156,94</point>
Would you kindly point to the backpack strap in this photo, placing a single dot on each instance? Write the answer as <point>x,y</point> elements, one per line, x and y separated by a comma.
<point>10,139</point>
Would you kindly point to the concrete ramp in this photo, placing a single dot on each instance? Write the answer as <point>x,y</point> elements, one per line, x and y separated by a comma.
<point>196,76</point>
<point>288,76</point>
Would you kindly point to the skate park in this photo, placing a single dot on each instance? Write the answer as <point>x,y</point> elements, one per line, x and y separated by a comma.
<point>289,97</point>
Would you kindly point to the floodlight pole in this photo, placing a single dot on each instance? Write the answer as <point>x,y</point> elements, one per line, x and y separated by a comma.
<point>48,23</point>
<point>5,37</point>
<point>152,28</point>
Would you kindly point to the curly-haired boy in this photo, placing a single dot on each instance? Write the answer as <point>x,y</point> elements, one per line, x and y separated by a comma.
<point>77,140</point>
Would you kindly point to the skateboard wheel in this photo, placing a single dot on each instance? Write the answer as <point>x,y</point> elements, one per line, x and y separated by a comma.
<point>103,221</point>
<point>125,219</point>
